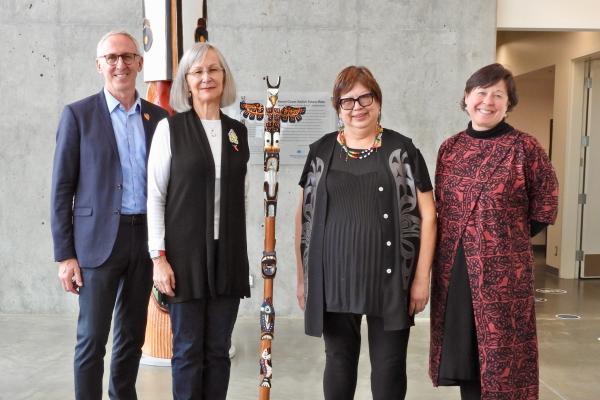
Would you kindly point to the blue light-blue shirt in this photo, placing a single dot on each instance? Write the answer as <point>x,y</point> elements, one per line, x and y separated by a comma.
<point>131,142</point>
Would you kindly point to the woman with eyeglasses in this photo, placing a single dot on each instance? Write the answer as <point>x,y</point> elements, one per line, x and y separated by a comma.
<point>365,237</point>
<point>196,221</point>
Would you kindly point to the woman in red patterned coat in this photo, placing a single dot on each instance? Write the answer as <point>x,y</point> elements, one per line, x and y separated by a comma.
<point>495,188</point>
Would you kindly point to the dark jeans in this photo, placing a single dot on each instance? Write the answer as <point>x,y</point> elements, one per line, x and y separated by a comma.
<point>121,284</point>
<point>387,350</point>
<point>201,339</point>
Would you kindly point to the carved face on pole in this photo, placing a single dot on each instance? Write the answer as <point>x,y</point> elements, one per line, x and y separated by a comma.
<point>273,95</point>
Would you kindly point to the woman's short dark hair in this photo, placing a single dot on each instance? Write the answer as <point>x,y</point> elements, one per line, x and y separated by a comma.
<point>350,76</point>
<point>488,76</point>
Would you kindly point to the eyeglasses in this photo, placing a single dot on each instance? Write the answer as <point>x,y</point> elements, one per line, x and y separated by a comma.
<point>212,71</point>
<point>364,100</point>
<point>113,59</point>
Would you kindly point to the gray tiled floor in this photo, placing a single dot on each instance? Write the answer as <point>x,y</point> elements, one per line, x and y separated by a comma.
<point>37,351</point>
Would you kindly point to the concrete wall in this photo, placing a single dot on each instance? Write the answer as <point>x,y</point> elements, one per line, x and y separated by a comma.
<point>421,52</point>
<point>48,52</point>
<point>524,52</point>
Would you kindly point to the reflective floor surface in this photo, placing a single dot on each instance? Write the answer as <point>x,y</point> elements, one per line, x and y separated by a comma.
<point>37,352</point>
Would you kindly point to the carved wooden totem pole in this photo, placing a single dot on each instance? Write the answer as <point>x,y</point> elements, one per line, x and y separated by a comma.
<point>272,130</point>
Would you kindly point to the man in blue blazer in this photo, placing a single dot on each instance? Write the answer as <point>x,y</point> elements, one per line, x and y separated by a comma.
<point>98,216</point>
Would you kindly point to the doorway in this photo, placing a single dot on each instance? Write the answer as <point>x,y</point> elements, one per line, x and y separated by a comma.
<point>588,252</point>
<point>534,115</point>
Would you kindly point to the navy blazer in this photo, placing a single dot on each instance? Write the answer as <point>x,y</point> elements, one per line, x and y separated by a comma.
<point>87,181</point>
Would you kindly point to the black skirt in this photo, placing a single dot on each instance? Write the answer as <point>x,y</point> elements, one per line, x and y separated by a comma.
<point>460,358</point>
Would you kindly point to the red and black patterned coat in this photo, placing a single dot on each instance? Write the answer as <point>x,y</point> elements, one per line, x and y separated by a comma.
<point>487,192</point>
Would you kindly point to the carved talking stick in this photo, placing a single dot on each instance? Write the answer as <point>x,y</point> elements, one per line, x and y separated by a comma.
<point>272,128</point>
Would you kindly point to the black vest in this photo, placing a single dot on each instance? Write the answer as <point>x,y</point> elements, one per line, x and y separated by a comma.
<point>400,247</point>
<point>201,270</point>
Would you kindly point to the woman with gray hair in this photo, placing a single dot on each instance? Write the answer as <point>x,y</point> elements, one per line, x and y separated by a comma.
<point>196,221</point>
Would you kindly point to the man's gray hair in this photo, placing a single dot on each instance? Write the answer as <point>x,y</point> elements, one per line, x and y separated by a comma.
<point>181,100</point>
<point>115,33</point>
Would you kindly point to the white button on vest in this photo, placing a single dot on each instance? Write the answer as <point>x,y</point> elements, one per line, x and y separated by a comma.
<point>388,243</point>
<point>381,188</point>
<point>389,270</point>
<point>385,216</point>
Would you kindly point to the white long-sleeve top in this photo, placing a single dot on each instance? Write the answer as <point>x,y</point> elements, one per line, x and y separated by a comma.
<point>159,172</point>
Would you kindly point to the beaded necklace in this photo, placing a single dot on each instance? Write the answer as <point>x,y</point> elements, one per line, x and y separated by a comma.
<point>360,154</point>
